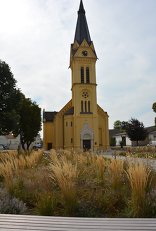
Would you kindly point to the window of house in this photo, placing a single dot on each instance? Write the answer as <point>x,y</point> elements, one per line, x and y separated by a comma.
<point>71,140</point>
<point>71,124</point>
<point>82,74</point>
<point>66,124</point>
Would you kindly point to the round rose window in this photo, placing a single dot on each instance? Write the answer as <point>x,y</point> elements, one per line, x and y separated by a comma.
<point>85,94</point>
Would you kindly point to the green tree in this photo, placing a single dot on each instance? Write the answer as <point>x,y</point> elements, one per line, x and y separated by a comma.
<point>121,125</point>
<point>154,109</point>
<point>9,100</point>
<point>117,124</point>
<point>30,122</point>
<point>135,130</point>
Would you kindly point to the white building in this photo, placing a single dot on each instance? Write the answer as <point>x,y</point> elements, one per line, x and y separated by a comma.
<point>119,136</point>
<point>12,143</point>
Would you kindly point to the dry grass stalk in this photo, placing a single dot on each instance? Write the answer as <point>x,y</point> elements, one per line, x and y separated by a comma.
<point>138,176</point>
<point>12,165</point>
<point>8,155</point>
<point>116,170</point>
<point>64,173</point>
<point>100,167</point>
<point>34,158</point>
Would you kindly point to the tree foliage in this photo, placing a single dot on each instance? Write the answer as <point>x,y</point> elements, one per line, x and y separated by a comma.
<point>121,125</point>
<point>30,122</point>
<point>18,114</point>
<point>117,124</point>
<point>135,130</point>
<point>154,109</point>
<point>9,100</point>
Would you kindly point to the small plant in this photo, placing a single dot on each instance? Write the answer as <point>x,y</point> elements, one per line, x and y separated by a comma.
<point>11,205</point>
<point>46,204</point>
<point>138,176</point>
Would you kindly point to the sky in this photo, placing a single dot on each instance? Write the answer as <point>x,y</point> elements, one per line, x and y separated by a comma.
<point>35,39</point>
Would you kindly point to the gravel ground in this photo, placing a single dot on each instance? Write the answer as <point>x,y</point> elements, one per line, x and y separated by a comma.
<point>149,162</point>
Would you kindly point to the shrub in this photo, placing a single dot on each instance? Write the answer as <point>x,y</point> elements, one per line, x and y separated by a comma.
<point>11,205</point>
<point>46,204</point>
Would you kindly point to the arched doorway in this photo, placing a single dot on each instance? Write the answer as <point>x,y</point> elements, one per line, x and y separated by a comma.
<point>87,142</point>
<point>86,138</point>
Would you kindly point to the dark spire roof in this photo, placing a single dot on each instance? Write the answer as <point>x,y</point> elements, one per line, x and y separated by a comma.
<point>82,31</point>
<point>81,8</point>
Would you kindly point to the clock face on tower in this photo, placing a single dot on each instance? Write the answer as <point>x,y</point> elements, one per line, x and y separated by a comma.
<point>84,53</point>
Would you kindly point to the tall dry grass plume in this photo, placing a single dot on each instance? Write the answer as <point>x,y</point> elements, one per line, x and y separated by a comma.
<point>139,176</point>
<point>64,173</point>
<point>116,170</point>
<point>12,165</point>
<point>100,167</point>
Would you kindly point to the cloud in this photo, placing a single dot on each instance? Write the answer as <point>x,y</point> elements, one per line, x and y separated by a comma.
<point>35,40</point>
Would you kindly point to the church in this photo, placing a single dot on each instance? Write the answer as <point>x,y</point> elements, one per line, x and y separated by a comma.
<point>81,124</point>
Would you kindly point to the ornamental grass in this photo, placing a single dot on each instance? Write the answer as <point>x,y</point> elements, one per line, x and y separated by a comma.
<point>116,170</point>
<point>12,165</point>
<point>100,167</point>
<point>69,183</point>
<point>64,173</point>
<point>139,178</point>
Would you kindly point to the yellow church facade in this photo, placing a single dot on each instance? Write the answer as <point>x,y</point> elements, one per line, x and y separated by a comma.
<point>81,124</point>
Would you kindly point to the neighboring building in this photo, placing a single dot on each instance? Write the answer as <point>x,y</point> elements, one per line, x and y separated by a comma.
<point>119,136</point>
<point>37,142</point>
<point>81,123</point>
<point>151,134</point>
<point>13,143</point>
<point>10,141</point>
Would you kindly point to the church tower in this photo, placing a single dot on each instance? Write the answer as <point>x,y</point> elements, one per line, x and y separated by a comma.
<point>81,123</point>
<point>84,100</point>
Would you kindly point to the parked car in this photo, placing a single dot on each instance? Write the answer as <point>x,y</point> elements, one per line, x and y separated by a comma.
<point>36,146</point>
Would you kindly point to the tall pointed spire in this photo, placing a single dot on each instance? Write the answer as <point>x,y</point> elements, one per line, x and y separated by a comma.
<point>82,31</point>
<point>81,8</point>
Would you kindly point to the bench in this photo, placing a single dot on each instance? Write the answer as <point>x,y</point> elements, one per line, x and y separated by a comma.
<point>40,223</point>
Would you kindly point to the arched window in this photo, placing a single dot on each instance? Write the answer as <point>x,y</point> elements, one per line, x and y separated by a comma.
<point>88,106</point>
<point>85,106</point>
<point>81,106</point>
<point>82,74</point>
<point>87,75</point>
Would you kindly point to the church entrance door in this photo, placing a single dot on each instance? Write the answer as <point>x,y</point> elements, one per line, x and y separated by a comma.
<point>86,144</point>
<point>86,137</point>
